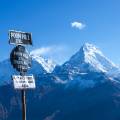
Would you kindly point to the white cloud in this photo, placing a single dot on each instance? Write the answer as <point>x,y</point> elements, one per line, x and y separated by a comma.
<point>56,53</point>
<point>78,25</point>
<point>41,51</point>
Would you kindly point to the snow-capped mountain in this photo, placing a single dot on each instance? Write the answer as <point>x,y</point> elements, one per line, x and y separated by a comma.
<point>47,64</point>
<point>89,58</point>
<point>87,68</point>
<point>84,66</point>
<point>80,89</point>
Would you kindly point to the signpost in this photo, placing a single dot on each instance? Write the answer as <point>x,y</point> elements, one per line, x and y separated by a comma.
<point>21,61</point>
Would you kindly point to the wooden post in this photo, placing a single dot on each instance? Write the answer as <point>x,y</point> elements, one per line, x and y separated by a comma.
<point>23,100</point>
<point>23,105</point>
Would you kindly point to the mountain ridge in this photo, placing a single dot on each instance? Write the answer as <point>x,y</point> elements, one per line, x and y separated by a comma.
<point>89,59</point>
<point>70,92</point>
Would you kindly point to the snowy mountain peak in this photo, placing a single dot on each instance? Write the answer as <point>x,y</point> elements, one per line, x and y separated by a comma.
<point>47,64</point>
<point>89,57</point>
<point>91,49</point>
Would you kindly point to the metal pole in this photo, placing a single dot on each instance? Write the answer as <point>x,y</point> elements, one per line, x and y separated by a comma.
<point>23,101</point>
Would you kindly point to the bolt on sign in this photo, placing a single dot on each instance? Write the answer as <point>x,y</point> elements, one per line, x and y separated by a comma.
<point>23,82</point>
<point>20,38</point>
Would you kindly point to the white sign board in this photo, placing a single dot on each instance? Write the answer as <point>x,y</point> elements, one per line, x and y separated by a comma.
<point>23,82</point>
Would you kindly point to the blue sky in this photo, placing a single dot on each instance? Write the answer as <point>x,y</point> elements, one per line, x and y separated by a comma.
<point>50,22</point>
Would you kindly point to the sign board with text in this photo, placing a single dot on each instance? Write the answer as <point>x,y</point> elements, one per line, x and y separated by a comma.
<point>20,59</point>
<point>23,82</point>
<point>20,38</point>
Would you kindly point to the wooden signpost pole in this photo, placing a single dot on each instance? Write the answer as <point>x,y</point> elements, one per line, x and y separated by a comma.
<point>23,105</point>
<point>23,100</point>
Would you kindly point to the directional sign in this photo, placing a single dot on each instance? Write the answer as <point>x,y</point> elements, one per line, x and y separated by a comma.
<point>20,59</point>
<point>20,38</point>
<point>23,82</point>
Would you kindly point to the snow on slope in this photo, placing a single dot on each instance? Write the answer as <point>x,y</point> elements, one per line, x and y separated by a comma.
<point>47,64</point>
<point>39,66</point>
<point>89,57</point>
<point>87,60</point>
<point>96,58</point>
<point>87,68</point>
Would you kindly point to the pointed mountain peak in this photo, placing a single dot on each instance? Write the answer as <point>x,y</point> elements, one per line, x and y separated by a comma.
<point>91,52</point>
<point>90,58</point>
<point>87,52</point>
<point>88,45</point>
<point>91,49</point>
